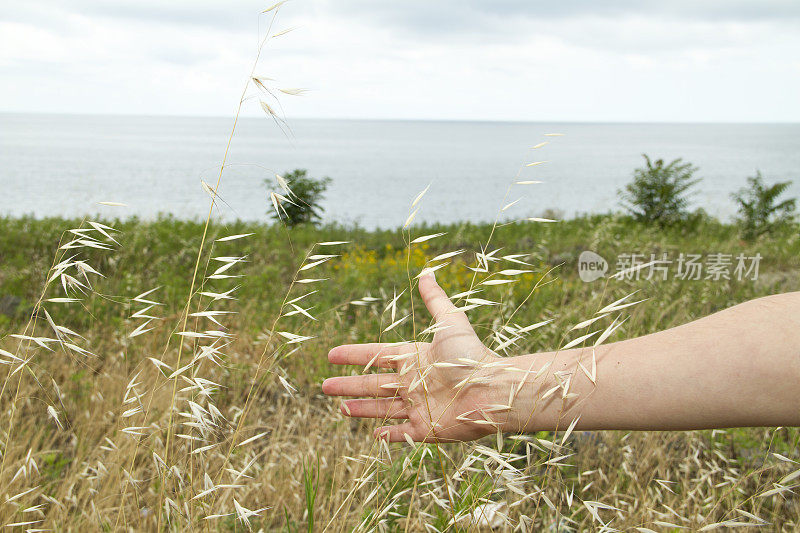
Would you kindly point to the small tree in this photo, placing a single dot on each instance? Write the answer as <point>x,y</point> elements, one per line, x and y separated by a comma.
<point>759,212</point>
<point>304,196</point>
<point>657,193</point>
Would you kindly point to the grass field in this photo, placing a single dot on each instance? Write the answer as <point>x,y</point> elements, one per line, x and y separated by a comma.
<point>151,431</point>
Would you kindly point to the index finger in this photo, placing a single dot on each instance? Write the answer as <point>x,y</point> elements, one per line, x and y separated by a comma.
<point>378,353</point>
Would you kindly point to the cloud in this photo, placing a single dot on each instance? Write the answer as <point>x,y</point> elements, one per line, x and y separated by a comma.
<point>504,59</point>
<point>470,15</point>
<point>229,15</point>
<point>422,17</point>
<point>613,24</point>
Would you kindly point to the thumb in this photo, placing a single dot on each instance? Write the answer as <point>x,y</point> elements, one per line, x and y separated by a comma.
<point>438,304</point>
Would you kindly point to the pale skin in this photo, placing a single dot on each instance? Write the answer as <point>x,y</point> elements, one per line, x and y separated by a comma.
<point>738,367</point>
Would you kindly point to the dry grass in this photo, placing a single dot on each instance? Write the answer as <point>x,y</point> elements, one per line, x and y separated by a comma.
<point>92,475</point>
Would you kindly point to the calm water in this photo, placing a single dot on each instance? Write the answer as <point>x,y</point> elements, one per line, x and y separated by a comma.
<point>64,165</point>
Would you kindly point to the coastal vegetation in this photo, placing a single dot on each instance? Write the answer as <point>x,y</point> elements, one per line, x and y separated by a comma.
<point>761,209</point>
<point>659,192</point>
<point>88,397</point>
<point>302,203</point>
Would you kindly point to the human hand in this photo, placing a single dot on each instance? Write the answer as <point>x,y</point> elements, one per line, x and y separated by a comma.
<point>444,390</point>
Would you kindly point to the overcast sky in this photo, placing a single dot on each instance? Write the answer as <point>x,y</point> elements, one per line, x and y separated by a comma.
<point>579,60</point>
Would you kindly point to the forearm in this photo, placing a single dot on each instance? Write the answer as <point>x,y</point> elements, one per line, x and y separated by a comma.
<point>738,367</point>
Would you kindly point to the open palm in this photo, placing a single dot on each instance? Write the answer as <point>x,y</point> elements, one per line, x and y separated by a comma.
<point>439,389</point>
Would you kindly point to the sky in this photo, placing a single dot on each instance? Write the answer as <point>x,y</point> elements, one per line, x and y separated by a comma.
<point>567,60</point>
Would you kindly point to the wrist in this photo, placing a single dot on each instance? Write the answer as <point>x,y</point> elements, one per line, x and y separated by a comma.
<point>502,399</point>
<point>519,383</point>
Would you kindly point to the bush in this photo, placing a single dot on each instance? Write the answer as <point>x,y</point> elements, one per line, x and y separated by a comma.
<point>657,193</point>
<point>758,211</point>
<point>304,196</point>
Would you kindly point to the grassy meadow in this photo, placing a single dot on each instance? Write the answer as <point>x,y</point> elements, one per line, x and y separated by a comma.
<point>124,409</point>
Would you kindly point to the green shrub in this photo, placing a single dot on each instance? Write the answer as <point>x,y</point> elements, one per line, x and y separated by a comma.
<point>305,194</point>
<point>759,210</point>
<point>658,192</point>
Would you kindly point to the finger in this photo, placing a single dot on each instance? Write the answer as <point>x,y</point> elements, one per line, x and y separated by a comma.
<point>438,304</point>
<point>372,385</point>
<point>379,354</point>
<point>384,408</point>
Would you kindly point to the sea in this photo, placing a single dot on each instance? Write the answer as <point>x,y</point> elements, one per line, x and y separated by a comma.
<point>65,165</point>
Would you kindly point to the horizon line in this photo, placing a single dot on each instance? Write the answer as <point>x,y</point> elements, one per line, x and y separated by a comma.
<point>402,119</point>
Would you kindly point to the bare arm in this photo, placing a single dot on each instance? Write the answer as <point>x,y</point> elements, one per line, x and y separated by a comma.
<point>738,367</point>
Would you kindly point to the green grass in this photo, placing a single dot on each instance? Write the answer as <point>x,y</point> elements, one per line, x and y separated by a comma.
<point>376,263</point>
<point>162,253</point>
